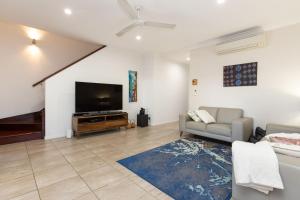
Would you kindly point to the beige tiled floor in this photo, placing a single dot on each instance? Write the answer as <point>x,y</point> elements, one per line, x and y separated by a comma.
<point>81,169</point>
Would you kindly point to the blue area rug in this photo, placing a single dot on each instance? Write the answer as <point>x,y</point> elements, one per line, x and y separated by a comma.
<point>186,169</point>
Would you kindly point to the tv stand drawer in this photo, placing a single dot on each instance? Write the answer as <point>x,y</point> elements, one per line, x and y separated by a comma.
<point>116,123</point>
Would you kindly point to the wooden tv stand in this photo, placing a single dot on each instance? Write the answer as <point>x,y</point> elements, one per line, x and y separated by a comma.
<point>98,122</point>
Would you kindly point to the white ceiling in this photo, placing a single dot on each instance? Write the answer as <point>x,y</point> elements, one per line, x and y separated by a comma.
<point>197,20</point>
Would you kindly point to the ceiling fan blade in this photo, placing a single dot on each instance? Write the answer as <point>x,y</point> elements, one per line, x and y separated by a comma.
<point>127,29</point>
<point>159,24</point>
<point>128,9</point>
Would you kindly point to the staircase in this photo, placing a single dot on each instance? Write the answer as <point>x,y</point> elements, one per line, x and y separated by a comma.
<point>22,128</point>
<point>30,126</point>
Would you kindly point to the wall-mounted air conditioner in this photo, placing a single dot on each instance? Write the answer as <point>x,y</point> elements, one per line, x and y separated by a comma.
<point>252,42</point>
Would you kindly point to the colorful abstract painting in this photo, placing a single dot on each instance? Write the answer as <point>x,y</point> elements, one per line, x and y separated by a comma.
<point>187,169</point>
<point>132,75</point>
<point>240,75</point>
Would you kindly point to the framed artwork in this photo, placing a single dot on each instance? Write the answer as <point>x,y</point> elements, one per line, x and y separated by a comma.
<point>132,77</point>
<point>195,82</point>
<point>240,75</point>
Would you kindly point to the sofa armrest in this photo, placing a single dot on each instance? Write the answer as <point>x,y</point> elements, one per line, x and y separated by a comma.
<point>242,129</point>
<point>183,118</point>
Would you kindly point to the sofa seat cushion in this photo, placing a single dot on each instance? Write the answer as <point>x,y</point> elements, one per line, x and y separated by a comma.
<point>219,129</point>
<point>199,126</point>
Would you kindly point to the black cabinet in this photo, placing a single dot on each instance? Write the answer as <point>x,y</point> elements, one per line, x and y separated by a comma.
<point>142,120</point>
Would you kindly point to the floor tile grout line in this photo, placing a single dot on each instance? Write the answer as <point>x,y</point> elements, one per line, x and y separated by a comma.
<point>8,167</point>
<point>108,163</point>
<point>148,192</point>
<point>111,162</point>
<point>27,174</point>
<point>127,176</point>
<point>37,188</point>
<point>132,173</point>
<point>76,170</point>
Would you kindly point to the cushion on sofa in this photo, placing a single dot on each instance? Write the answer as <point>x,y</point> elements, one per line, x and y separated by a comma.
<point>199,126</point>
<point>227,115</point>
<point>213,111</point>
<point>193,115</point>
<point>219,129</point>
<point>205,116</point>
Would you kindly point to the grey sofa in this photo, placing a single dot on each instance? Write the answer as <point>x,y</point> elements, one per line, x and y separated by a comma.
<point>230,125</point>
<point>289,170</point>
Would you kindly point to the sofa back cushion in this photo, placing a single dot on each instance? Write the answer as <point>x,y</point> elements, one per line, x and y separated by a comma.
<point>227,115</point>
<point>213,111</point>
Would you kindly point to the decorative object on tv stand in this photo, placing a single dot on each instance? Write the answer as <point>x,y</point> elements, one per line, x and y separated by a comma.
<point>132,76</point>
<point>142,111</point>
<point>131,124</point>
<point>240,75</point>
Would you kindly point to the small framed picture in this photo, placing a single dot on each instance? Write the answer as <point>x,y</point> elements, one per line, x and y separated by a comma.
<point>195,82</point>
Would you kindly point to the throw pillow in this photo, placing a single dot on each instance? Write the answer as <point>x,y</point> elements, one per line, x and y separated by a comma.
<point>194,116</point>
<point>205,116</point>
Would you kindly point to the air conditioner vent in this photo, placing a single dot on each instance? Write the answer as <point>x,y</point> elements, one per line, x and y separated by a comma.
<point>257,41</point>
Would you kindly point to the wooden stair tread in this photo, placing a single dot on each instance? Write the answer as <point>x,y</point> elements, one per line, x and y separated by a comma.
<point>4,134</point>
<point>22,127</point>
<point>21,122</point>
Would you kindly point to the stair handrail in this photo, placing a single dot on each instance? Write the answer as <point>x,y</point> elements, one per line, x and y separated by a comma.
<point>69,65</point>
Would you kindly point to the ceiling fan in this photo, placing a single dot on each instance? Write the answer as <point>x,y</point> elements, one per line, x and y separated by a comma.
<point>134,13</point>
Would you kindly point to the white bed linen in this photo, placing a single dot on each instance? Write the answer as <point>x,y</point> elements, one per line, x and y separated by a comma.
<point>256,166</point>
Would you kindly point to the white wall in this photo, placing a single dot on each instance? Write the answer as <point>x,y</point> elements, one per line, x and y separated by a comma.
<point>162,87</point>
<point>22,64</point>
<point>106,66</point>
<point>276,98</point>
<point>170,86</point>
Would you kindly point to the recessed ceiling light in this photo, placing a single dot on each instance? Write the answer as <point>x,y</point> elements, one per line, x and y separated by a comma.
<point>68,11</point>
<point>138,37</point>
<point>188,59</point>
<point>221,1</point>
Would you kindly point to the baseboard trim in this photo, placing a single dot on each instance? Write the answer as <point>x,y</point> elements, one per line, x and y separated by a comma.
<point>163,123</point>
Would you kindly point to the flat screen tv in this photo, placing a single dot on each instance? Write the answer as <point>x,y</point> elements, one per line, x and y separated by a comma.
<point>97,97</point>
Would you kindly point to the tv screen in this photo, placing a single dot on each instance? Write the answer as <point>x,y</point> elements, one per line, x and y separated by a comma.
<point>93,97</point>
